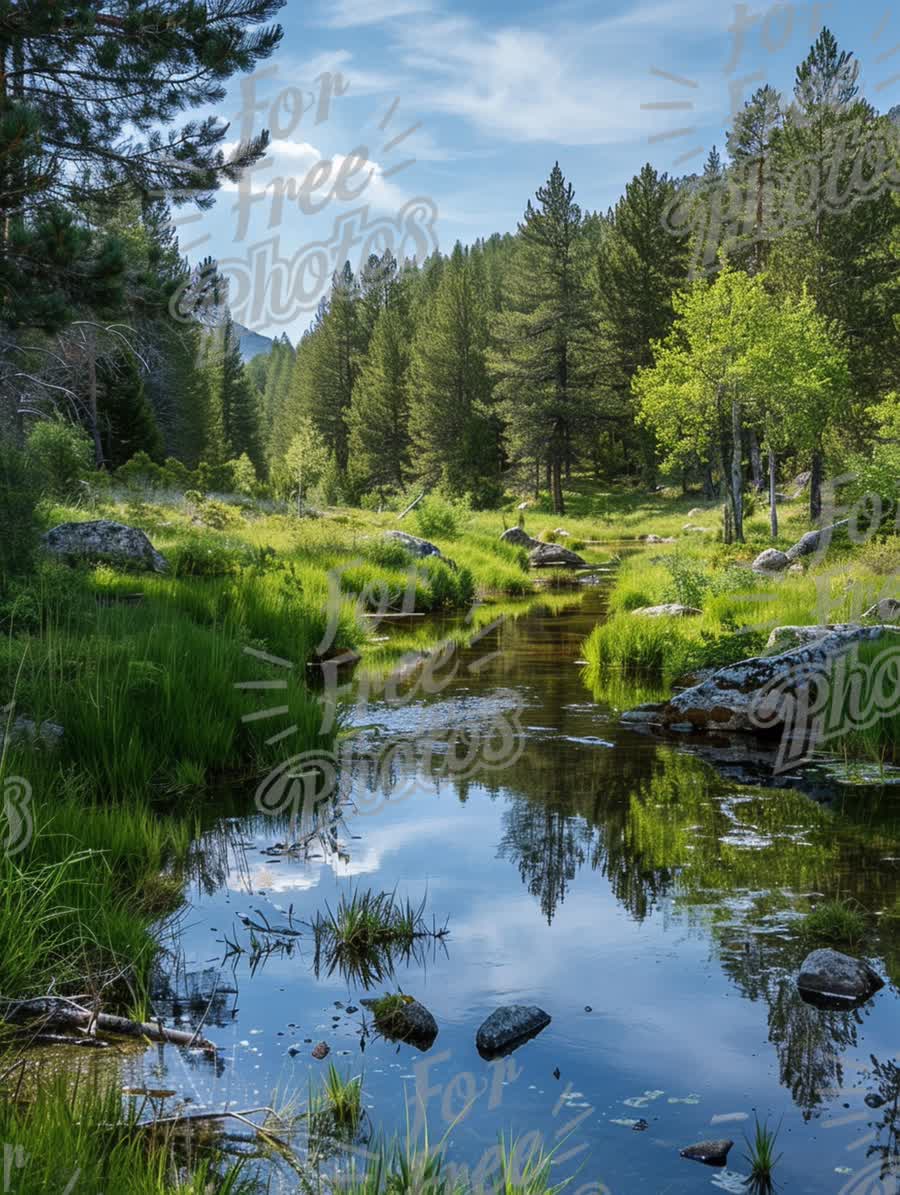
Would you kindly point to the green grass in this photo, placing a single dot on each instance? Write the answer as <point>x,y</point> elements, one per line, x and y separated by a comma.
<point>762,1159</point>
<point>841,922</point>
<point>83,1138</point>
<point>344,1098</point>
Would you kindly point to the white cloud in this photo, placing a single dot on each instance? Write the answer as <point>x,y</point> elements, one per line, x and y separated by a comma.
<point>346,14</point>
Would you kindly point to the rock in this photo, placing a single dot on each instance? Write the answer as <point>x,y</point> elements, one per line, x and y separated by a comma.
<point>873,1100</point>
<point>322,1050</point>
<point>884,610</point>
<point>410,1022</point>
<point>102,539</point>
<point>420,548</point>
<point>754,695</point>
<point>523,505</point>
<point>509,1027</point>
<point>554,556</point>
<point>835,976</point>
<point>797,568</point>
<point>813,540</point>
<point>713,1153</point>
<point>770,561</point>
<point>692,529</point>
<point>683,727</point>
<point>25,732</point>
<point>515,535</point>
<point>696,512</point>
<point>561,531</point>
<point>669,610</point>
<point>801,481</point>
<point>659,539</point>
<point>784,638</point>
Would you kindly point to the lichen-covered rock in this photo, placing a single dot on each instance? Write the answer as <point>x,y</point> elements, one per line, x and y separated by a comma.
<point>770,561</point>
<point>407,1021</point>
<point>834,976</point>
<point>25,732</point>
<point>713,1153</point>
<point>509,1027</point>
<point>420,548</point>
<point>519,537</point>
<point>104,540</point>
<point>668,610</point>
<point>884,610</point>
<point>554,556</point>
<point>659,539</point>
<point>754,695</point>
<point>784,638</point>
<point>813,540</point>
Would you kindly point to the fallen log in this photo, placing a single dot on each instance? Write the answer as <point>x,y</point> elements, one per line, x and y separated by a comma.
<point>56,1012</point>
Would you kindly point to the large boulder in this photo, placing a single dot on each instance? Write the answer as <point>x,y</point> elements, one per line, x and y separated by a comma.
<point>519,537</point>
<point>813,540</point>
<point>509,1027</point>
<point>420,548</point>
<point>828,975</point>
<point>884,610</point>
<point>668,610</point>
<point>104,540</point>
<point>757,694</point>
<point>784,638</point>
<point>770,561</point>
<point>554,556</point>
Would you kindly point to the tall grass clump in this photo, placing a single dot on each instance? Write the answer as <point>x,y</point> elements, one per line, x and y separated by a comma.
<point>762,1159</point>
<point>837,921</point>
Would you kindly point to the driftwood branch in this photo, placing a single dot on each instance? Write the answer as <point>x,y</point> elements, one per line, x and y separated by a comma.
<point>56,1012</point>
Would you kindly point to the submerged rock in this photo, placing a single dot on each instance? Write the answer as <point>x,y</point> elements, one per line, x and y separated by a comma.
<point>509,1027</point>
<point>554,556</point>
<point>713,1153</point>
<point>770,561</point>
<point>832,976</point>
<point>668,610</point>
<point>102,539</point>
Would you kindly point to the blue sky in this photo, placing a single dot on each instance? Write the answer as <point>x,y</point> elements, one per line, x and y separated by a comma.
<point>494,94</point>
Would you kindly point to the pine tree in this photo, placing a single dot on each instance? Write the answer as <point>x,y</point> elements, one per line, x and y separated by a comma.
<point>540,336</point>
<point>750,144</point>
<point>239,413</point>
<point>379,413</point>
<point>449,382</point>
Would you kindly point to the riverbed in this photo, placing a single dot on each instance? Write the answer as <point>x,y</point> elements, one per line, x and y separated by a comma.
<point>648,904</point>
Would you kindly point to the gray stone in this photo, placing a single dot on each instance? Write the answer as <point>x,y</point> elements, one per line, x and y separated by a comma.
<point>411,1023</point>
<point>517,536</point>
<point>683,727</point>
<point>554,556</point>
<point>874,1100</point>
<point>813,540</point>
<point>420,548</point>
<point>784,638</point>
<point>692,529</point>
<point>801,481</point>
<point>659,539</point>
<point>770,561</point>
<point>696,512</point>
<point>884,610</point>
<point>668,610</point>
<point>26,733</point>
<point>509,1027</point>
<point>835,976</point>
<point>797,568</point>
<point>102,539</point>
<point>713,1153</point>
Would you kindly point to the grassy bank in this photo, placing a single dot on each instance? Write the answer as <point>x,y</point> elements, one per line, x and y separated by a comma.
<point>739,609</point>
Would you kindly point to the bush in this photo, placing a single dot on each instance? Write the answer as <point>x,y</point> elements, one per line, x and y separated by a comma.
<point>439,516</point>
<point>18,498</point>
<point>689,584</point>
<point>61,456</point>
<point>207,556</point>
<point>243,475</point>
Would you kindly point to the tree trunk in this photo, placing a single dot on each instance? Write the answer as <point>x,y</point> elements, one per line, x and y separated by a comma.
<point>773,509</point>
<point>92,398</point>
<point>709,485</point>
<point>755,462</point>
<point>736,478</point>
<point>815,485</point>
<point>537,478</point>
<point>559,505</point>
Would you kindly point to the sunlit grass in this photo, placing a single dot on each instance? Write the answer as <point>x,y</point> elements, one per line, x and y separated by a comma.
<point>841,922</point>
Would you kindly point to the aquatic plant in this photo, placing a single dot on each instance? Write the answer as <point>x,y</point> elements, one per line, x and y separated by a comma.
<point>761,1158</point>
<point>841,921</point>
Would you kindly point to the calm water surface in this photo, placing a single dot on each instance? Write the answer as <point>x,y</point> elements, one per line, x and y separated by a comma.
<point>648,905</point>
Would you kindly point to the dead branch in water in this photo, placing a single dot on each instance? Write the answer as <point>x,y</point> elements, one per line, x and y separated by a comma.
<point>57,1012</point>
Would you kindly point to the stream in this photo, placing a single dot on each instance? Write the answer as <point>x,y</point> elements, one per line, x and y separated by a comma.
<point>647,903</point>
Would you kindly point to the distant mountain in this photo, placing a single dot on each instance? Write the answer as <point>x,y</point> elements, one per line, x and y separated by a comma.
<point>252,343</point>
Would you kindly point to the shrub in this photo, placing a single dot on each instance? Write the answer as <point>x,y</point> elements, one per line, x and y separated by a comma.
<point>206,556</point>
<point>61,456</point>
<point>689,584</point>
<point>243,475</point>
<point>439,516</point>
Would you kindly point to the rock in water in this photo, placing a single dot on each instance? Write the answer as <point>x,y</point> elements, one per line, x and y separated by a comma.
<point>509,1027</point>
<point>669,610</point>
<point>102,539</point>
<point>831,976</point>
<point>713,1153</point>
<point>321,1051</point>
<point>554,556</point>
<point>770,561</point>
<point>515,535</point>
<point>410,1022</point>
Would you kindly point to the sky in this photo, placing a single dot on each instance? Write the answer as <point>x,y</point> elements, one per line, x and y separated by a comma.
<point>411,124</point>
